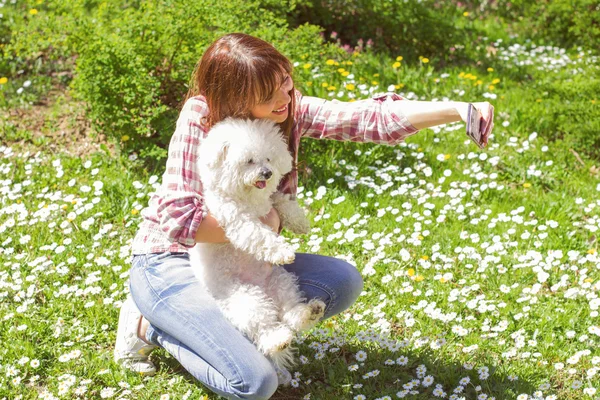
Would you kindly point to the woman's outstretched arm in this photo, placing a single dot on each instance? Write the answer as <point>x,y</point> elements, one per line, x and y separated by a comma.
<point>425,114</point>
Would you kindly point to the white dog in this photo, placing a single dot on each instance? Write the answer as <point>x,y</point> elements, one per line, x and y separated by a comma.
<point>241,163</point>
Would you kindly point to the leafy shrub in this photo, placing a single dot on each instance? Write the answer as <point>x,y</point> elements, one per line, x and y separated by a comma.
<point>134,59</point>
<point>410,28</point>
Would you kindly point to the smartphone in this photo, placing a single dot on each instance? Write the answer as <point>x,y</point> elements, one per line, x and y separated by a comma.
<point>474,126</point>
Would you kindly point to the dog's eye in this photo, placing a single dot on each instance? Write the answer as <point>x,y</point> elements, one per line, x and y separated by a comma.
<point>268,160</point>
<point>250,161</point>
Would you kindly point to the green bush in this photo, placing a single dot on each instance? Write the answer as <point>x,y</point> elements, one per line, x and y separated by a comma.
<point>411,29</point>
<point>134,59</point>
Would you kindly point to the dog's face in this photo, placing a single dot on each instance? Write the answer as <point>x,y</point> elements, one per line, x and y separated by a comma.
<point>242,156</point>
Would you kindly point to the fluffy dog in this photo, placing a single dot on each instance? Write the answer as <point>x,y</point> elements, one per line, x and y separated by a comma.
<point>241,163</point>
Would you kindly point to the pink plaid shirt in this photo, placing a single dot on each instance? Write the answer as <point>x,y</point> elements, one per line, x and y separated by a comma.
<point>176,210</point>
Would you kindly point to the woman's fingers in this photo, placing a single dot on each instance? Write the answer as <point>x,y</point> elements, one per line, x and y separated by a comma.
<point>487,120</point>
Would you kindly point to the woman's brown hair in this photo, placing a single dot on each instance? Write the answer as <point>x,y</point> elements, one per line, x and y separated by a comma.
<point>237,72</point>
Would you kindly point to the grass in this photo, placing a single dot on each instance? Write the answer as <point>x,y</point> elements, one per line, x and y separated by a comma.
<point>480,267</point>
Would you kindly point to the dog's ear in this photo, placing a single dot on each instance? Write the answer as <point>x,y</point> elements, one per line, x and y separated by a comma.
<point>213,150</point>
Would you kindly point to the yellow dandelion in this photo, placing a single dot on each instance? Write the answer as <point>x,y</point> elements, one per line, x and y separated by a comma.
<point>461,75</point>
<point>538,100</point>
<point>345,73</point>
<point>442,280</point>
<point>466,14</point>
<point>374,83</point>
<point>349,63</point>
<point>411,272</point>
<point>324,84</point>
<point>134,212</point>
<point>591,251</point>
<point>307,66</point>
<point>33,11</point>
<point>124,138</point>
<point>424,257</point>
<point>425,60</point>
<point>330,62</point>
<point>495,81</point>
<point>396,65</point>
<point>330,88</point>
<point>479,82</point>
<point>399,86</point>
<point>309,83</point>
<point>447,156</point>
<point>491,87</point>
<point>340,70</point>
<point>350,86</point>
<point>588,280</point>
<point>3,80</point>
<point>375,75</point>
<point>399,58</point>
<point>526,185</point>
<point>419,278</point>
<point>490,69</point>
<point>594,101</point>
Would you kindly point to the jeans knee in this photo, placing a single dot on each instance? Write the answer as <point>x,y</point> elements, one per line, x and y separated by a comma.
<point>260,385</point>
<point>353,284</point>
<point>349,285</point>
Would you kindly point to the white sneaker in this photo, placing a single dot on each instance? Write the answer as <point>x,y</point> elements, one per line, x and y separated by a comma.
<point>131,351</point>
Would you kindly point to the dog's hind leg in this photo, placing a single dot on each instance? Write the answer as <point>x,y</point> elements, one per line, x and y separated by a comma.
<point>255,314</point>
<point>293,309</point>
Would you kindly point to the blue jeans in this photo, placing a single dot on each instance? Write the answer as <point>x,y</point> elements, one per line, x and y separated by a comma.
<point>185,320</point>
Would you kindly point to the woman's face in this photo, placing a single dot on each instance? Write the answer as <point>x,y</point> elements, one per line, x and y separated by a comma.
<point>277,107</point>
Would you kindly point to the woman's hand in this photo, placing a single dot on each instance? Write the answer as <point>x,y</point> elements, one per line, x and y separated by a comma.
<point>487,115</point>
<point>272,220</point>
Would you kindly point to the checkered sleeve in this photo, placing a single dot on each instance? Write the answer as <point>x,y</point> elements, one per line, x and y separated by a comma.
<point>370,120</point>
<point>180,206</point>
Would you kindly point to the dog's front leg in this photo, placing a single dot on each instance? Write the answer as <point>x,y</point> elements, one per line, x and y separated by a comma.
<point>249,234</point>
<point>292,216</point>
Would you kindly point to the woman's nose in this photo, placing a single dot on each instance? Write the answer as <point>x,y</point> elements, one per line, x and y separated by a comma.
<point>284,95</point>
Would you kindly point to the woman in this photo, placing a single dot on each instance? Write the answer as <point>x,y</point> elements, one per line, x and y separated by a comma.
<point>242,76</point>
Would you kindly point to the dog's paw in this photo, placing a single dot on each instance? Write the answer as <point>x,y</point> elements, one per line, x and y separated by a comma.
<point>275,340</point>
<point>317,309</point>
<point>305,316</point>
<point>283,254</point>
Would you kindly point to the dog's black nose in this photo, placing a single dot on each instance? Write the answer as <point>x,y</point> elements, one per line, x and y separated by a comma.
<point>266,173</point>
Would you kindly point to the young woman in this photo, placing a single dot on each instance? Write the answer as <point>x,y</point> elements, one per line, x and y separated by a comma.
<point>242,76</point>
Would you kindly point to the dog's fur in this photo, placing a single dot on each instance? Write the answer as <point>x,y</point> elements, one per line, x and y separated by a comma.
<point>241,163</point>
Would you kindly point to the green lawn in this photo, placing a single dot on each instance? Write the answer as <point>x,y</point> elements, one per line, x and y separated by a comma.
<point>481,267</point>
